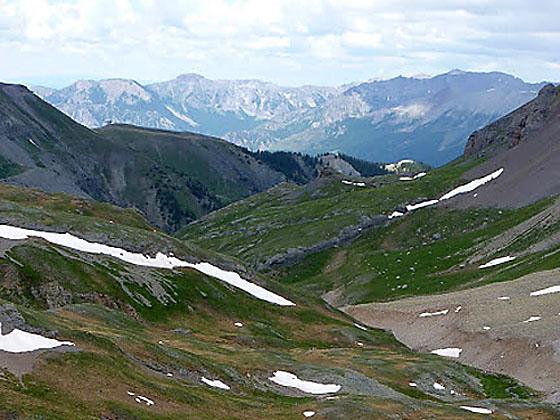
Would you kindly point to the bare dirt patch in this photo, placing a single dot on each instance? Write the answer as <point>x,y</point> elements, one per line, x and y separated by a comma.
<point>488,323</point>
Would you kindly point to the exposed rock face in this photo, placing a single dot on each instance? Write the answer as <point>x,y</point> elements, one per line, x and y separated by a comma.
<point>526,144</point>
<point>338,165</point>
<point>10,319</point>
<point>516,127</point>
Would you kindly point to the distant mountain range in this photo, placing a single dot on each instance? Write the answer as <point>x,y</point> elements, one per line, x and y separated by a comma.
<point>428,119</point>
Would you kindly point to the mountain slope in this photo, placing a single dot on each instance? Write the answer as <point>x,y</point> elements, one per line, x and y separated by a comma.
<point>159,343</point>
<point>172,178</point>
<point>525,143</point>
<point>189,102</point>
<point>461,261</point>
<point>426,119</point>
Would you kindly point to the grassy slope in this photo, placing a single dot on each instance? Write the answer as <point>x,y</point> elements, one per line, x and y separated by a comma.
<point>290,216</point>
<point>423,253</point>
<point>118,336</point>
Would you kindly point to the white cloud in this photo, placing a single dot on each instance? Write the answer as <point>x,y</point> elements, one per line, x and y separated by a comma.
<point>288,41</point>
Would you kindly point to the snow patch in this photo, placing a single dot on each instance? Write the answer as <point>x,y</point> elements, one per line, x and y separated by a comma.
<point>411,178</point>
<point>532,319</point>
<point>473,185</point>
<point>290,380</point>
<point>395,214</point>
<point>478,410</point>
<point>356,184</point>
<point>423,204</point>
<point>548,290</point>
<point>159,261</point>
<point>141,399</point>
<point>448,352</point>
<point>497,261</point>
<point>428,314</point>
<point>18,341</point>
<point>438,386</point>
<point>215,383</point>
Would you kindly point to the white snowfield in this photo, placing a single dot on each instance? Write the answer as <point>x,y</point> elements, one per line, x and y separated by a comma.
<point>18,341</point>
<point>356,184</point>
<point>471,186</point>
<point>290,380</point>
<point>215,383</point>
<point>547,291</point>
<point>448,352</point>
<point>428,314</point>
<point>497,261</point>
<point>478,410</point>
<point>159,261</point>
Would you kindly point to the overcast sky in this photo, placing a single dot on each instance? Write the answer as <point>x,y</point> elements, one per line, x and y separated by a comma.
<point>290,42</point>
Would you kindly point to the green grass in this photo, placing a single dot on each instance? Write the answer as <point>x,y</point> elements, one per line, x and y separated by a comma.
<point>419,254</point>
<point>290,216</point>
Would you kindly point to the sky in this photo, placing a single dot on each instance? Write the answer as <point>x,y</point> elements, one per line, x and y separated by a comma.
<point>289,42</point>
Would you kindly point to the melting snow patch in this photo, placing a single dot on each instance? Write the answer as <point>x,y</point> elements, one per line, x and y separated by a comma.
<point>410,178</point>
<point>141,399</point>
<point>308,413</point>
<point>395,214</point>
<point>497,261</point>
<point>215,384</point>
<point>478,410</point>
<point>438,386</point>
<point>532,319</point>
<point>548,290</point>
<point>159,261</point>
<point>428,314</point>
<point>361,327</point>
<point>290,380</point>
<point>423,204</point>
<point>458,308</point>
<point>18,341</point>
<point>356,184</point>
<point>448,352</point>
<point>473,185</point>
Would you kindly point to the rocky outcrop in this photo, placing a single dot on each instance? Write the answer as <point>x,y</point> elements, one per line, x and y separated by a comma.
<point>516,127</point>
<point>348,234</point>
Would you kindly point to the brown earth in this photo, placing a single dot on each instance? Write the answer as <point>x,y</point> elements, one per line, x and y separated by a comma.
<point>527,351</point>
